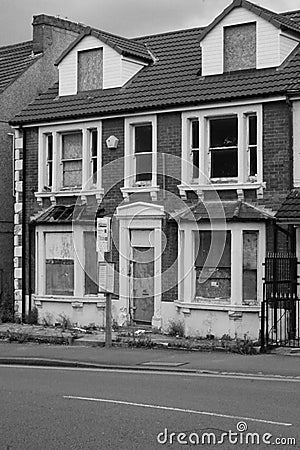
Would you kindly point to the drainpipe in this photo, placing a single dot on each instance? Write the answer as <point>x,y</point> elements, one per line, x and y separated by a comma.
<point>291,228</point>
<point>24,230</point>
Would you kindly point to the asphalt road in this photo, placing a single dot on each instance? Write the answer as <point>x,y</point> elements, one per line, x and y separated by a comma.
<point>84,409</point>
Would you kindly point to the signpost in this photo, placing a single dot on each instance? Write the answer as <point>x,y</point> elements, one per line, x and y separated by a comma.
<point>106,271</point>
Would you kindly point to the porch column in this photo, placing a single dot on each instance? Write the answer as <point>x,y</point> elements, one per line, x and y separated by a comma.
<point>189,263</point>
<point>156,320</point>
<point>124,257</point>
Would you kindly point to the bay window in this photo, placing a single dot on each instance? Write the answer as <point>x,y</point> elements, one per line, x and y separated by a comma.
<point>227,262</point>
<point>222,149</point>
<point>69,159</point>
<point>250,245</point>
<point>49,161</point>
<point>213,264</point>
<point>59,260</point>
<point>195,146</point>
<point>223,138</point>
<point>66,261</point>
<point>252,145</point>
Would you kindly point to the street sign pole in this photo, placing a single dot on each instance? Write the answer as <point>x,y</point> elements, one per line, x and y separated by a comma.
<point>104,248</point>
<point>108,339</point>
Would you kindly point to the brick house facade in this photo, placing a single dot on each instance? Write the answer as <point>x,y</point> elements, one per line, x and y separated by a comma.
<point>191,161</point>
<point>26,70</point>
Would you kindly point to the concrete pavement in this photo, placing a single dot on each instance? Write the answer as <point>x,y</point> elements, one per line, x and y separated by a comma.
<point>150,359</point>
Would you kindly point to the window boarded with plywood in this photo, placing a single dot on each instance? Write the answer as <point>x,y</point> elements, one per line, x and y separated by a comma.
<point>213,264</point>
<point>250,240</point>
<point>240,47</point>
<point>90,69</point>
<point>59,249</point>
<point>90,264</point>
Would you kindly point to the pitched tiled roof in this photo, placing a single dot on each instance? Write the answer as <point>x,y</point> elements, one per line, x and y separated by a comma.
<point>14,59</point>
<point>293,15</point>
<point>277,20</point>
<point>226,210</point>
<point>290,209</point>
<point>174,80</point>
<point>124,46</point>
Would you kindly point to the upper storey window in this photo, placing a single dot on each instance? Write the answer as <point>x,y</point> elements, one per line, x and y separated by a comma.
<point>240,47</point>
<point>90,69</point>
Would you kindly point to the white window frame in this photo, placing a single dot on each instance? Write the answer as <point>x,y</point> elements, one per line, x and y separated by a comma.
<point>129,161</point>
<point>57,189</point>
<point>187,271</point>
<point>79,261</point>
<point>204,182</point>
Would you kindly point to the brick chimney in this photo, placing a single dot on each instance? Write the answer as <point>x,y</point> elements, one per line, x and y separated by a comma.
<point>43,27</point>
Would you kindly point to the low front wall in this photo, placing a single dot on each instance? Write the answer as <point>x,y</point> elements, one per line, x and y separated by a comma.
<point>216,321</point>
<point>80,312</point>
<point>196,322</point>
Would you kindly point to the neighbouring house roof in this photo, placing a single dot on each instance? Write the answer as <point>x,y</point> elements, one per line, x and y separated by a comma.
<point>14,59</point>
<point>283,22</point>
<point>124,46</point>
<point>226,210</point>
<point>174,80</point>
<point>69,214</point>
<point>293,15</point>
<point>289,211</point>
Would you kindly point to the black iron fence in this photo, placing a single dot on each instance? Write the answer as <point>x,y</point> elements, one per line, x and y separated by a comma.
<point>280,312</point>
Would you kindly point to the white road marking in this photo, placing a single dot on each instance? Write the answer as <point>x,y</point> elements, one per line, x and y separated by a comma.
<point>204,373</point>
<point>169,408</point>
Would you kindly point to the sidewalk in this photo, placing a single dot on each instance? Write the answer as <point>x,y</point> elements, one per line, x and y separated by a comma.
<point>149,359</point>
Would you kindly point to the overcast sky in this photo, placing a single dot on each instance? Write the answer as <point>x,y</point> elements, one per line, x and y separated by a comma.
<point>124,17</point>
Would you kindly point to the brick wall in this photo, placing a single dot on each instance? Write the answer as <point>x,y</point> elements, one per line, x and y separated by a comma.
<point>277,156</point>
<point>169,142</point>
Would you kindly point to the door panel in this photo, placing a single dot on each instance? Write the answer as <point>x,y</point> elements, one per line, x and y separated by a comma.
<point>143,284</point>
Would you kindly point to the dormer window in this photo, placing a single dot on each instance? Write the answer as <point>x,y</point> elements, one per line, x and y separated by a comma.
<point>240,47</point>
<point>90,69</point>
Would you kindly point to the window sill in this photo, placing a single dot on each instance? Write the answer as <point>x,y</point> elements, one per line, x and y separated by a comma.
<point>69,298</point>
<point>224,186</point>
<point>138,189</point>
<point>228,307</point>
<point>52,195</point>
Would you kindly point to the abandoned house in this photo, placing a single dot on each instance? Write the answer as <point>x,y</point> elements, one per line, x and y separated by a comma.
<point>185,140</point>
<point>26,70</point>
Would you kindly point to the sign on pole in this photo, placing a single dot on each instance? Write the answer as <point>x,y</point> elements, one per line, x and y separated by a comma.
<point>106,277</point>
<point>103,234</point>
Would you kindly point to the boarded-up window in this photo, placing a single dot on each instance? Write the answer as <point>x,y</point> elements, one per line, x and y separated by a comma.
<point>213,264</point>
<point>90,264</point>
<point>250,239</point>
<point>90,69</point>
<point>72,159</point>
<point>59,263</point>
<point>240,47</point>
<point>143,153</point>
<point>224,147</point>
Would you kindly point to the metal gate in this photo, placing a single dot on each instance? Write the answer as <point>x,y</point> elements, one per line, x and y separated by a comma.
<point>280,314</point>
